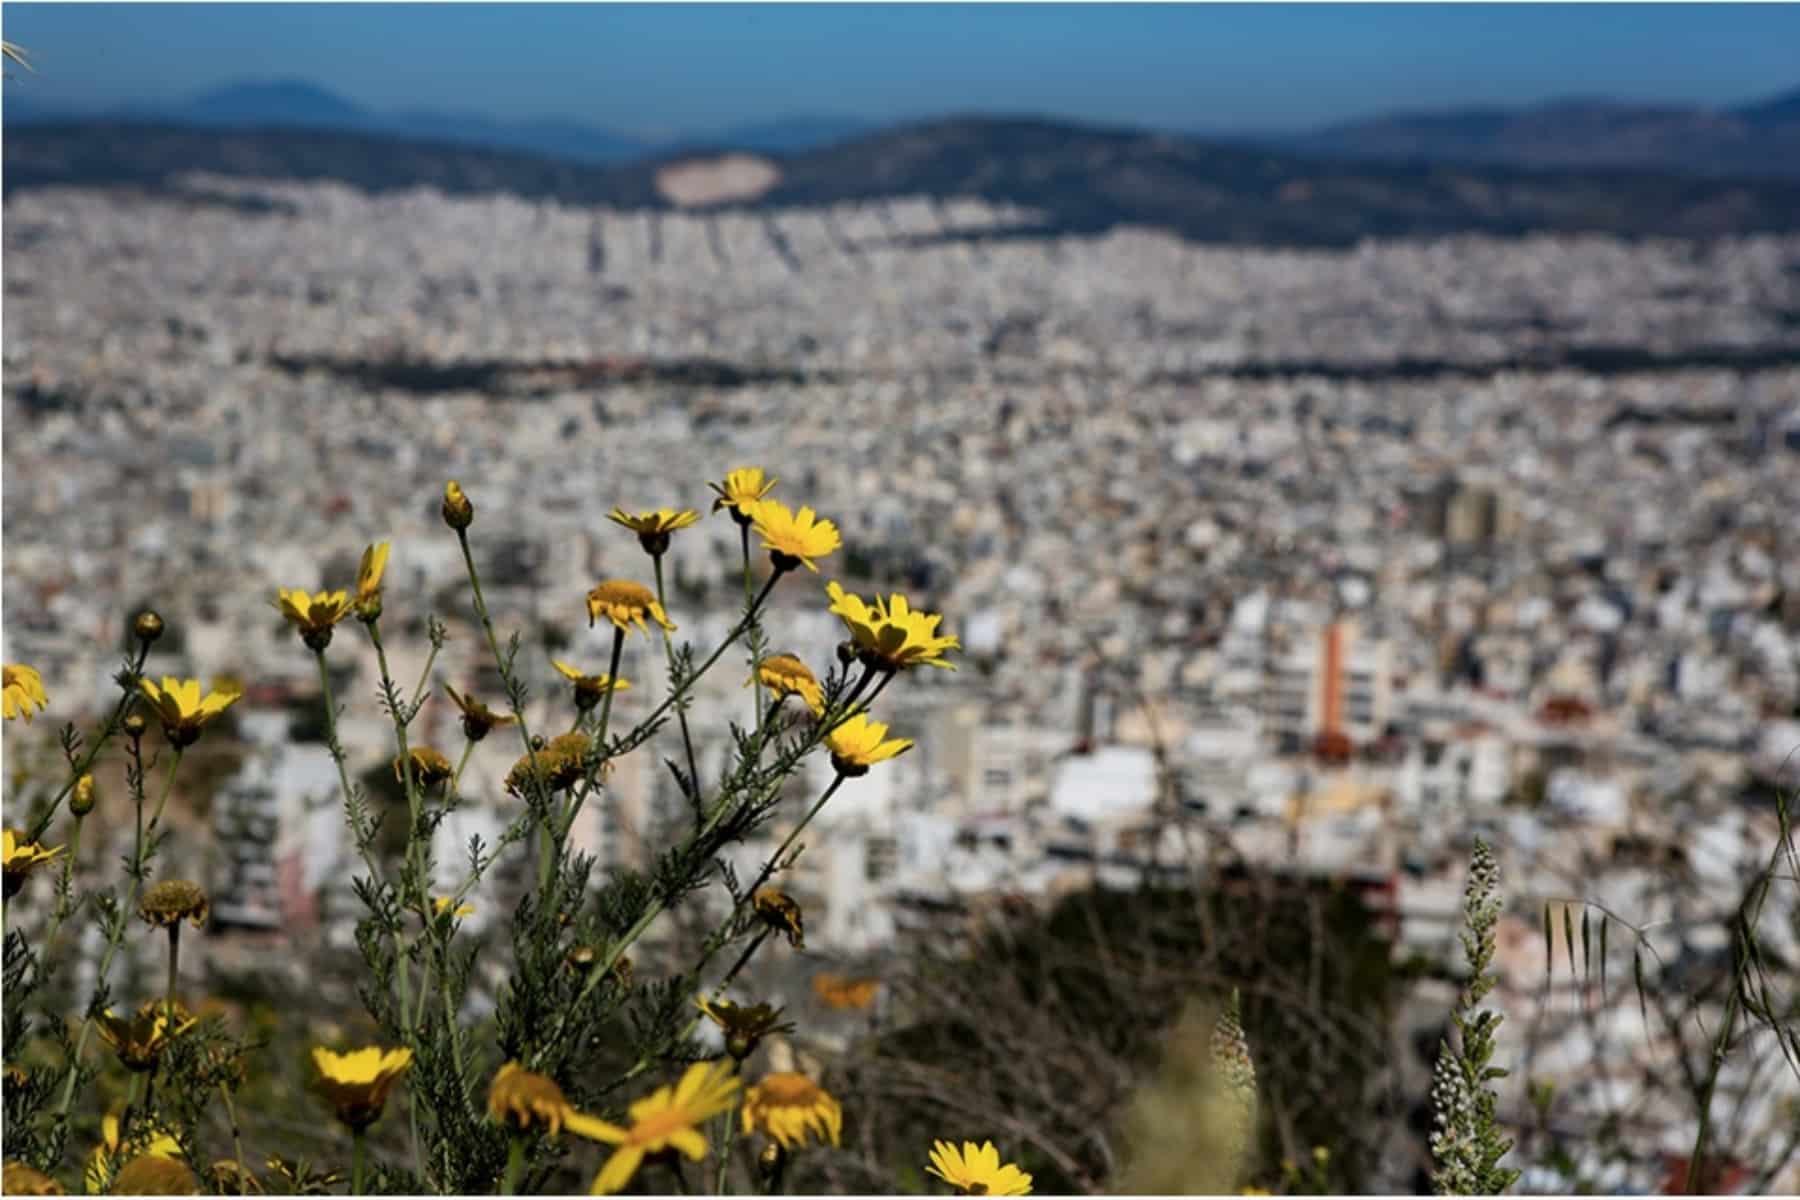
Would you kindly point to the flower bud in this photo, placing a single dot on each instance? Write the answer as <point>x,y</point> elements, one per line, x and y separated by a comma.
<point>81,800</point>
<point>135,725</point>
<point>846,652</point>
<point>771,1160</point>
<point>459,514</point>
<point>148,626</point>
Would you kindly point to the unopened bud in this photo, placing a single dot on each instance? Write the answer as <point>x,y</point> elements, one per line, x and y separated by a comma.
<point>771,1160</point>
<point>459,514</point>
<point>81,800</point>
<point>148,626</point>
<point>846,653</point>
<point>135,725</point>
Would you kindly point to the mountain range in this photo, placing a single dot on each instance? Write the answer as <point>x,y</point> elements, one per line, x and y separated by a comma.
<point>1758,139</point>
<point>293,103</point>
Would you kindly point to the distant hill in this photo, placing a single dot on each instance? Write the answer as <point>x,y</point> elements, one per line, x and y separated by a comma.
<point>1761,139</point>
<point>1082,179</point>
<point>296,103</point>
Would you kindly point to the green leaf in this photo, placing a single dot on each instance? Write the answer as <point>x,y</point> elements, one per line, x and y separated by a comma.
<point>1586,967</point>
<point>1549,949</point>
<point>1569,936</point>
<point>1604,922</point>
<point>1637,972</point>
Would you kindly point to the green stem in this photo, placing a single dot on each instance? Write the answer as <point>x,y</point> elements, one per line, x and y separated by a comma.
<point>415,802</point>
<point>127,696</point>
<point>749,601</point>
<point>680,712</point>
<point>456,778</point>
<point>174,959</point>
<point>577,799</point>
<point>237,1143</point>
<point>358,1162</point>
<point>116,937</point>
<point>774,862</point>
<point>162,800</point>
<point>515,1165</point>
<point>731,1124</point>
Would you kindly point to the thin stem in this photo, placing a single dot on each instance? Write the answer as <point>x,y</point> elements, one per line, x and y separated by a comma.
<point>127,697</point>
<point>576,800</point>
<point>749,601</point>
<point>237,1144</point>
<point>725,1139</point>
<point>415,802</point>
<point>687,741</point>
<point>162,800</point>
<point>174,959</point>
<point>774,862</point>
<point>515,1165</point>
<point>358,1162</point>
<point>456,778</point>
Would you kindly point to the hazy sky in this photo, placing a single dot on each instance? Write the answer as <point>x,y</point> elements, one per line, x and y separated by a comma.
<point>659,68</point>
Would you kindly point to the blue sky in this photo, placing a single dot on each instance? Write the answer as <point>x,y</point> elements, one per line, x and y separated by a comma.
<point>662,68</point>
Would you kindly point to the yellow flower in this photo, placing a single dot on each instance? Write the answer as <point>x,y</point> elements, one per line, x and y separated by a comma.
<point>459,514</point>
<point>780,912</point>
<point>23,688</point>
<point>154,1175</point>
<point>856,745</point>
<point>589,688</point>
<point>654,526</point>
<point>170,901</point>
<point>18,1179</point>
<point>358,1083</point>
<point>837,992</point>
<point>428,766</point>
<point>893,635</point>
<point>313,615</point>
<point>368,581</point>
<point>622,602</point>
<point>791,538</point>
<point>21,858</point>
<point>101,1162</point>
<point>743,1025</point>
<point>976,1170</point>
<point>560,763</point>
<point>477,718</point>
<point>786,675</point>
<point>745,485</point>
<point>441,904</point>
<point>787,1107</point>
<point>138,1040</point>
<point>663,1120</point>
<point>520,1097</point>
<point>183,710</point>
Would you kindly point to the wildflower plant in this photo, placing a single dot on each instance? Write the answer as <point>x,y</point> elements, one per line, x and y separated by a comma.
<point>581,1062</point>
<point>1467,1142</point>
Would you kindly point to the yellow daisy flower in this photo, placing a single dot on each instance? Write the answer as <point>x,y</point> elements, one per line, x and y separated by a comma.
<point>745,485</point>
<point>834,991</point>
<point>787,1107</point>
<point>524,1098</point>
<point>589,688</point>
<point>891,635</point>
<point>358,1083</point>
<point>168,902</point>
<point>792,539</point>
<point>664,1120</point>
<point>781,912</point>
<point>743,1025</point>
<point>976,1170</point>
<point>786,675</point>
<point>441,904</point>
<point>21,858</point>
<point>368,581</point>
<point>428,766</point>
<point>653,526</point>
<point>154,1175</point>
<point>139,1039</point>
<point>458,512</point>
<point>184,712</point>
<point>856,745</point>
<point>23,688</point>
<point>560,763</point>
<point>21,1179</point>
<point>101,1162</point>
<point>622,602</point>
<point>477,718</point>
<point>314,615</point>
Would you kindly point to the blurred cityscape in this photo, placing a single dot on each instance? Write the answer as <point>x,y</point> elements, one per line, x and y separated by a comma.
<point>1326,561</point>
